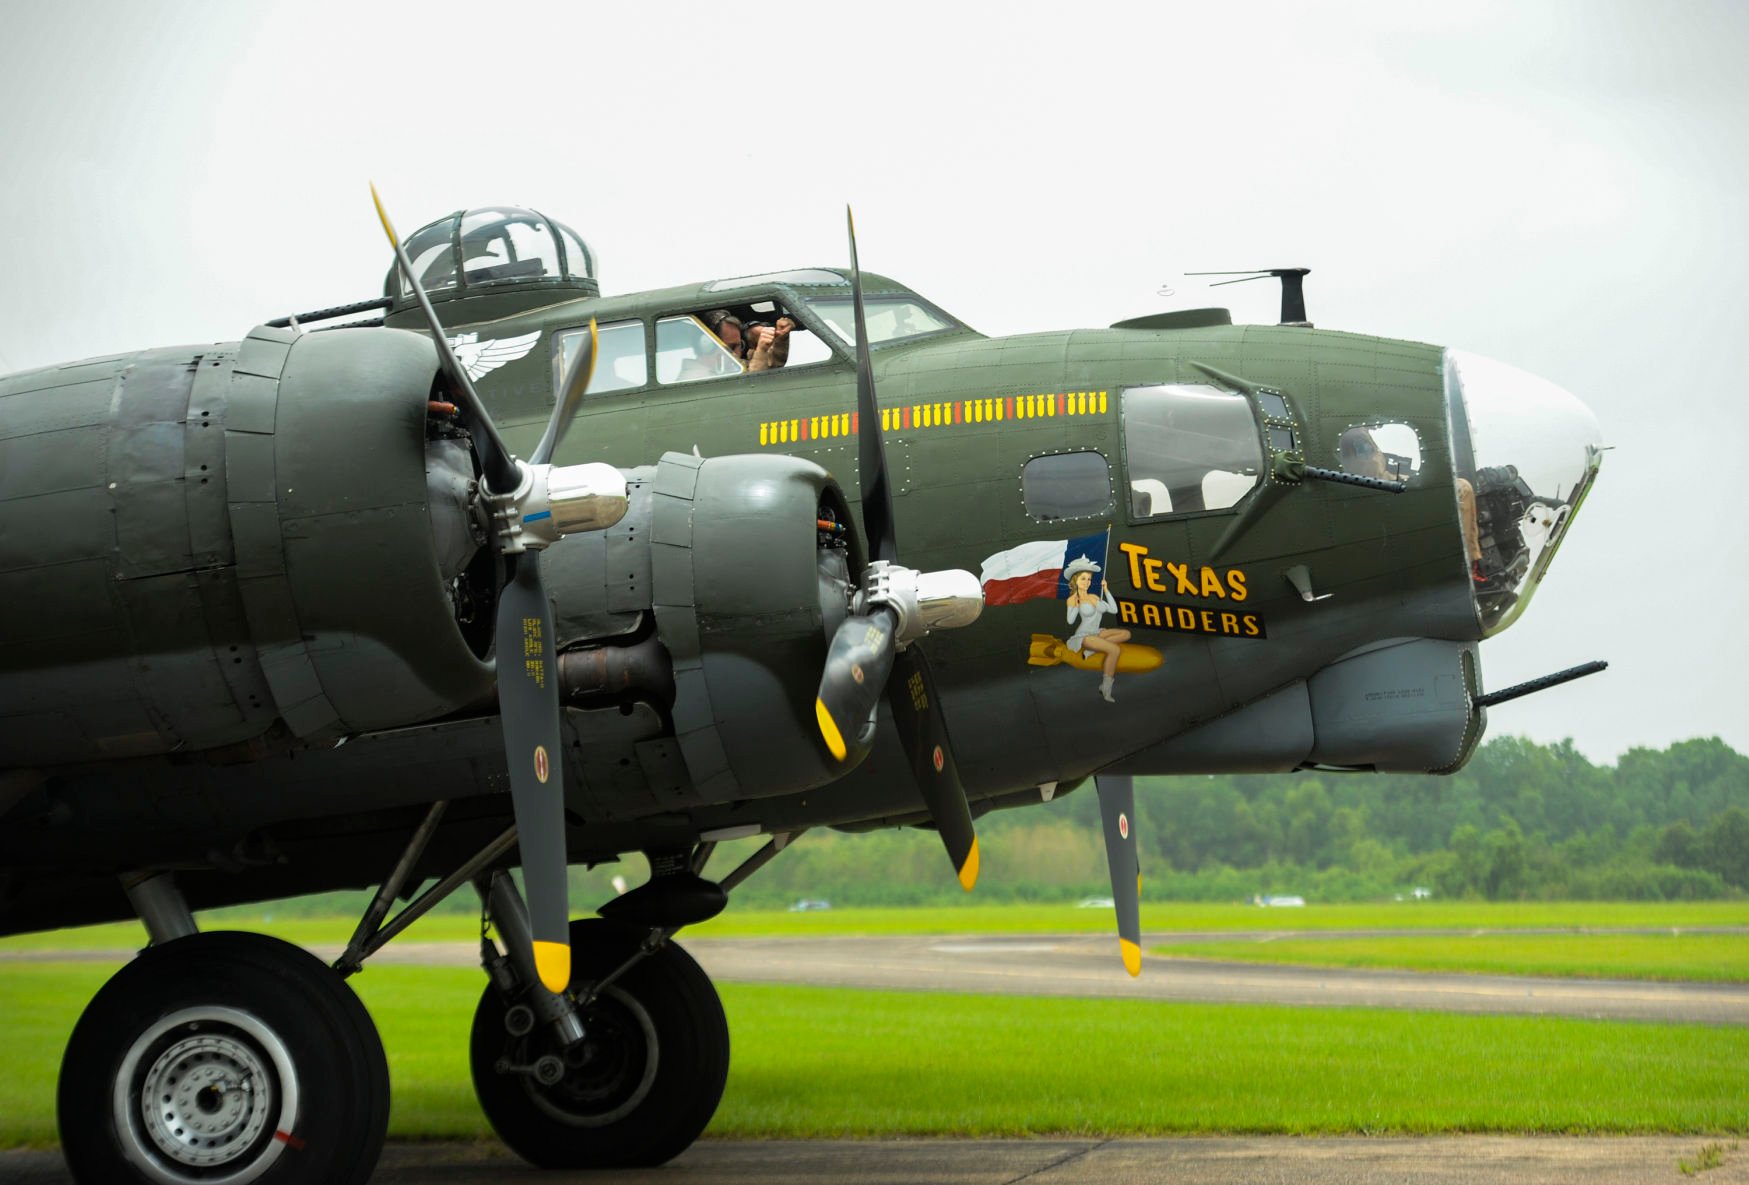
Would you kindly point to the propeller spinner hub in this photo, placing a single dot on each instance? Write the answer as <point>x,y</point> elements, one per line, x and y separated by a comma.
<point>923,601</point>
<point>552,501</point>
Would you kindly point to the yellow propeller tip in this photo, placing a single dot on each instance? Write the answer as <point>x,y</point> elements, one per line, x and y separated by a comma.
<point>1132,957</point>
<point>829,731</point>
<point>382,214</point>
<point>552,962</point>
<point>969,870</point>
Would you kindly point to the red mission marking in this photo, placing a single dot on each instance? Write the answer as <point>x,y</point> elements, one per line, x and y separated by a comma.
<point>1008,409</point>
<point>802,429</point>
<point>959,412</point>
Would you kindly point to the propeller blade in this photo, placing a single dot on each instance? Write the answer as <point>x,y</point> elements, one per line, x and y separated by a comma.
<point>917,715</point>
<point>858,665</point>
<point>528,707</point>
<point>1117,811</point>
<point>495,459</point>
<point>871,450</point>
<point>576,383</point>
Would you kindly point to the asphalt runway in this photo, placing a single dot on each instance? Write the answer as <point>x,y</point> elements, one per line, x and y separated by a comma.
<point>1088,966</point>
<point>1442,1160</point>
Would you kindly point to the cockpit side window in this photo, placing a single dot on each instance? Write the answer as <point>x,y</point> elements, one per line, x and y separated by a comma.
<point>743,336</point>
<point>1188,448</point>
<point>619,357</point>
<point>889,318</point>
<point>687,352</point>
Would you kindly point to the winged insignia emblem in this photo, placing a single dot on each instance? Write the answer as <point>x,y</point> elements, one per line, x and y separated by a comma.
<point>483,357</point>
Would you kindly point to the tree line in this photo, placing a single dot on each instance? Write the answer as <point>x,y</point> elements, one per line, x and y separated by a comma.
<point>1522,821</point>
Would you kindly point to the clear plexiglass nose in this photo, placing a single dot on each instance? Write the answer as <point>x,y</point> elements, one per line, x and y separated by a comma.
<point>1528,452</point>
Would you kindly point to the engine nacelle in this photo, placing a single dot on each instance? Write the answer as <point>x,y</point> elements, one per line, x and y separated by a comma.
<point>725,555</point>
<point>198,543</point>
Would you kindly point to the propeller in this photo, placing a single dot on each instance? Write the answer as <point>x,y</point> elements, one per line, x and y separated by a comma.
<point>872,654</point>
<point>533,504</point>
<point>1117,812</point>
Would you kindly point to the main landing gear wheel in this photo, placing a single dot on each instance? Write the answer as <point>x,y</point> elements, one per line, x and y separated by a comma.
<point>224,1059</point>
<point>640,1086</point>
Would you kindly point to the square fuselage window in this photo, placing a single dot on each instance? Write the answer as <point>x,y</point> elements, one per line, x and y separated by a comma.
<point>1066,485</point>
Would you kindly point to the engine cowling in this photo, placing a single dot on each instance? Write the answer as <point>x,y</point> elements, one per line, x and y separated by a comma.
<point>725,557</point>
<point>197,544</point>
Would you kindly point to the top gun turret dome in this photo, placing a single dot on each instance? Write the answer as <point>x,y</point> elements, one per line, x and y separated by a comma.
<point>504,257</point>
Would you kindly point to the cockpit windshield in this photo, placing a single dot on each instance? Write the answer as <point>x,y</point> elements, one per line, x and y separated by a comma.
<point>889,318</point>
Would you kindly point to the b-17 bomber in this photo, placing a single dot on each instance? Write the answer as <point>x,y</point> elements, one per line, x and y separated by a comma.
<point>497,571</point>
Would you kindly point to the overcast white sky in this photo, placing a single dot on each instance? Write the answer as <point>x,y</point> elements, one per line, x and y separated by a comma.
<point>1556,185</point>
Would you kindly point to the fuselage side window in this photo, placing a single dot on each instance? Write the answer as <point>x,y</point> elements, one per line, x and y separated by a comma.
<point>1066,485</point>
<point>687,352</point>
<point>619,357</point>
<point>1390,451</point>
<point>1187,448</point>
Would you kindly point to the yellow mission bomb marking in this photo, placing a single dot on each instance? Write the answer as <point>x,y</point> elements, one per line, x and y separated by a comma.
<point>929,417</point>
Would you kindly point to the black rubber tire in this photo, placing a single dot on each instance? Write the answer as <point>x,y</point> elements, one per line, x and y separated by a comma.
<point>576,1124</point>
<point>334,1054</point>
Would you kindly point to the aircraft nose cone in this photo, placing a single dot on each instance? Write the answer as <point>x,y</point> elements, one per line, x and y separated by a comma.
<point>1530,451</point>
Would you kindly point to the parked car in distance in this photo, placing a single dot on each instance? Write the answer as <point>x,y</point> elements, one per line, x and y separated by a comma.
<point>807,905</point>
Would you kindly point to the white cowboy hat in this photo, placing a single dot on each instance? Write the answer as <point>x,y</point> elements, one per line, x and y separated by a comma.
<point>1079,565</point>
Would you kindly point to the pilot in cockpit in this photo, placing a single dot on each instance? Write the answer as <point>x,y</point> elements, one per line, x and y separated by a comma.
<point>761,345</point>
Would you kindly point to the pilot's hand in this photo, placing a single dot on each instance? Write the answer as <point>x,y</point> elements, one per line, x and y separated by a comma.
<point>784,325</point>
<point>763,336</point>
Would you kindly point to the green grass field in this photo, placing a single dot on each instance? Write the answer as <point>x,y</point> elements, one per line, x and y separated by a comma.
<point>1710,958</point>
<point>813,1062</point>
<point>973,918</point>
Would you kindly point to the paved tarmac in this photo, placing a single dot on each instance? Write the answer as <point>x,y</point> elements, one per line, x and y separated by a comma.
<point>1084,965</point>
<point>1442,1160</point>
<point>1088,966</point>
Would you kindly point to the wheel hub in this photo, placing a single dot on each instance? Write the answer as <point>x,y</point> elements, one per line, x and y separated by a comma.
<point>610,1072</point>
<point>200,1096</point>
<point>205,1099</point>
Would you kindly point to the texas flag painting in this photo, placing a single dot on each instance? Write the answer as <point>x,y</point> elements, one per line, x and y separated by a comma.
<point>1035,570</point>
